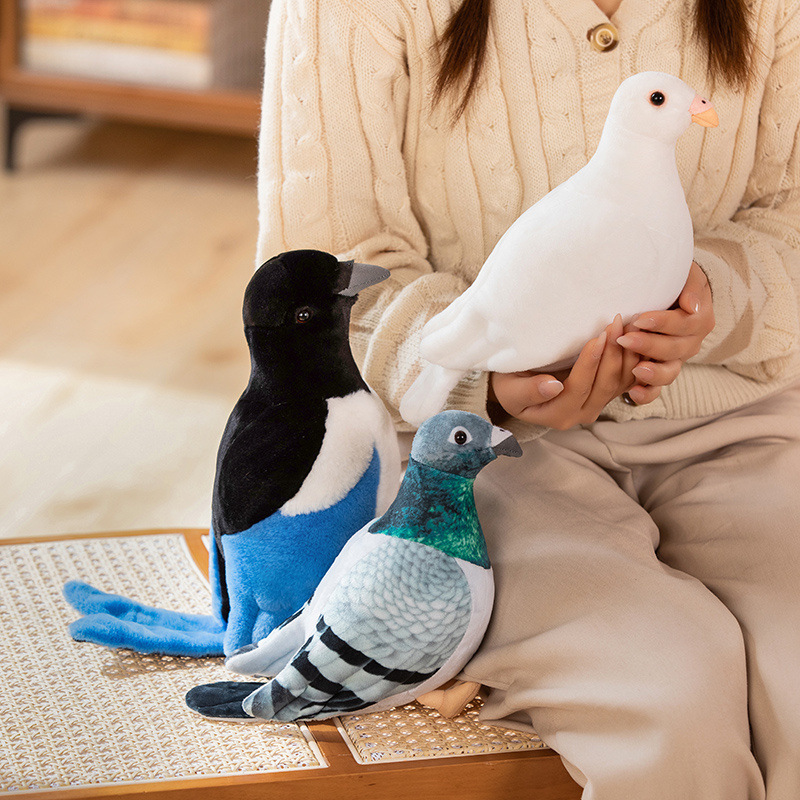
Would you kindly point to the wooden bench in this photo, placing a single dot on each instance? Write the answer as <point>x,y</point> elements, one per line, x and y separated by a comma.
<point>80,721</point>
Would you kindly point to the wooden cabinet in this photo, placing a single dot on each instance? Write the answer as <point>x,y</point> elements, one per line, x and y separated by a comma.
<point>25,93</point>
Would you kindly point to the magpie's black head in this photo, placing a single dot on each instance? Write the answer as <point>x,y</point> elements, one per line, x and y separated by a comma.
<point>297,314</point>
<point>306,289</point>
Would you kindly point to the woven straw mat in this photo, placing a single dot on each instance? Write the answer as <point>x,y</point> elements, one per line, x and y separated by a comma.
<point>74,714</point>
<point>414,732</point>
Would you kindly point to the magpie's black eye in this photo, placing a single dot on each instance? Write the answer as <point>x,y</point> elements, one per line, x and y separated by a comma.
<point>303,314</point>
<point>657,98</point>
<point>460,437</point>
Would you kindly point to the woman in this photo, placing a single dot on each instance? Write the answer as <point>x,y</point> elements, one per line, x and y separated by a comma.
<point>646,552</point>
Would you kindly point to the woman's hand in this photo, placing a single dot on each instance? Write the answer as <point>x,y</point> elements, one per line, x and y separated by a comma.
<point>603,371</point>
<point>639,360</point>
<point>665,340</point>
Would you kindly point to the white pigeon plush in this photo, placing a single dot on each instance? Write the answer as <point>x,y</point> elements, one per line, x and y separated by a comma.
<point>402,608</point>
<point>615,238</point>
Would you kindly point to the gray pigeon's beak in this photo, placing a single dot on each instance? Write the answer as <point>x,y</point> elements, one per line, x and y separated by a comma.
<point>362,276</point>
<point>504,444</point>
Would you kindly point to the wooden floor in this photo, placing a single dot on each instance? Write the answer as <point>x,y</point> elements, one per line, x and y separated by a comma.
<point>124,252</point>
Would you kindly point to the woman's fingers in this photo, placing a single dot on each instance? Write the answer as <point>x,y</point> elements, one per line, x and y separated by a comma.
<point>696,293</point>
<point>641,395</point>
<point>660,347</point>
<point>603,370</point>
<point>674,322</point>
<point>566,409</point>
<point>692,316</point>
<point>629,360</point>
<point>666,339</point>
<point>516,391</point>
<point>657,374</point>
<point>637,360</point>
<point>578,385</point>
<point>610,378</point>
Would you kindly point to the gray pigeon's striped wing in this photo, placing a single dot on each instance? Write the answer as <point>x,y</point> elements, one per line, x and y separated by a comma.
<point>329,677</point>
<point>392,622</point>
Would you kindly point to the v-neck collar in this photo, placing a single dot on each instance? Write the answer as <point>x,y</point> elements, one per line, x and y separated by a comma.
<point>586,14</point>
<point>609,17</point>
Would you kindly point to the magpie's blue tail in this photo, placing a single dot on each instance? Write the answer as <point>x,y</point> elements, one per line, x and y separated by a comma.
<point>119,622</point>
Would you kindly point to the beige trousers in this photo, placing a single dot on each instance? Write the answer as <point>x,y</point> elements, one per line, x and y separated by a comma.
<point>647,616</point>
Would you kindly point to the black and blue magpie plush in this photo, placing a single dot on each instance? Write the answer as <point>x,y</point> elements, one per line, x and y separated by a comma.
<point>402,608</point>
<point>309,455</point>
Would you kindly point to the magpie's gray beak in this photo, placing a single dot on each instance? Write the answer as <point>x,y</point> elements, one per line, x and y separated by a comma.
<point>362,276</point>
<point>504,444</point>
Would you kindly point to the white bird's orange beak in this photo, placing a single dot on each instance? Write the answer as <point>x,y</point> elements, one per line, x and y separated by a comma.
<point>703,113</point>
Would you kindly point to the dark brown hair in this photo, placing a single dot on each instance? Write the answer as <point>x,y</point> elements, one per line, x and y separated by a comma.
<point>723,26</point>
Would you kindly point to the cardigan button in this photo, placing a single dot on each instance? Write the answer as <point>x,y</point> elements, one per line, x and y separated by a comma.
<point>603,37</point>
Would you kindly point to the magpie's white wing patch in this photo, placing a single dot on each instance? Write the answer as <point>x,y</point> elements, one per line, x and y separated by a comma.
<point>354,426</point>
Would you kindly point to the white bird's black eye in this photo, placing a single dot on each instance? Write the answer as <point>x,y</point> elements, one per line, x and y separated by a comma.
<point>303,314</point>
<point>657,98</point>
<point>460,436</point>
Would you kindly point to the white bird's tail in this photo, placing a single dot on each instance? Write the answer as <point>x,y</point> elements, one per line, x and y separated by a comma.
<point>428,394</point>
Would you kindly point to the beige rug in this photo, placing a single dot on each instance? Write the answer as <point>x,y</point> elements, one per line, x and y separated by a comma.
<point>74,714</point>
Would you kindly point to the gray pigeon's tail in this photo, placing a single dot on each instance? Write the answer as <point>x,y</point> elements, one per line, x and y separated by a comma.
<point>291,703</point>
<point>269,656</point>
<point>428,394</point>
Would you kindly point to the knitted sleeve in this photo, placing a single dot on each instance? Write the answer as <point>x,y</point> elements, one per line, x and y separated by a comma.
<point>332,175</point>
<point>753,261</point>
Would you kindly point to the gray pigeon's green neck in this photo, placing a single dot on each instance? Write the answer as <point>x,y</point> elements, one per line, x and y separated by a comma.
<point>438,509</point>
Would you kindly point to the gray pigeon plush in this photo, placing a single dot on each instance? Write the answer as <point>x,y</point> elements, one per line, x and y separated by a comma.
<point>400,611</point>
<point>615,238</point>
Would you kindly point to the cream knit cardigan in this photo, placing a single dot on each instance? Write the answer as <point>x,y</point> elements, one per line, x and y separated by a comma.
<point>354,159</point>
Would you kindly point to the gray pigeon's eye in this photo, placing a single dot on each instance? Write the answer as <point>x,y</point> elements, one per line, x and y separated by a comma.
<point>657,98</point>
<point>460,436</point>
<point>303,314</point>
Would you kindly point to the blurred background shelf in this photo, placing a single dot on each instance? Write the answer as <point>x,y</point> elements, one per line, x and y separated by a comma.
<point>63,57</point>
<point>128,235</point>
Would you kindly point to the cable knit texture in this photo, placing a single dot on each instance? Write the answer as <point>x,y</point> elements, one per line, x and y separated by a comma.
<point>355,159</point>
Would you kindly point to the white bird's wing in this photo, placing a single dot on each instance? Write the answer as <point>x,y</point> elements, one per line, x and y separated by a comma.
<point>523,232</point>
<point>557,277</point>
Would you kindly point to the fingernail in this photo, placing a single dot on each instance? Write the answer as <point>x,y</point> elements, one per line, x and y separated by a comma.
<point>645,323</point>
<point>600,345</point>
<point>694,303</point>
<point>549,389</point>
<point>626,340</point>
<point>644,373</point>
